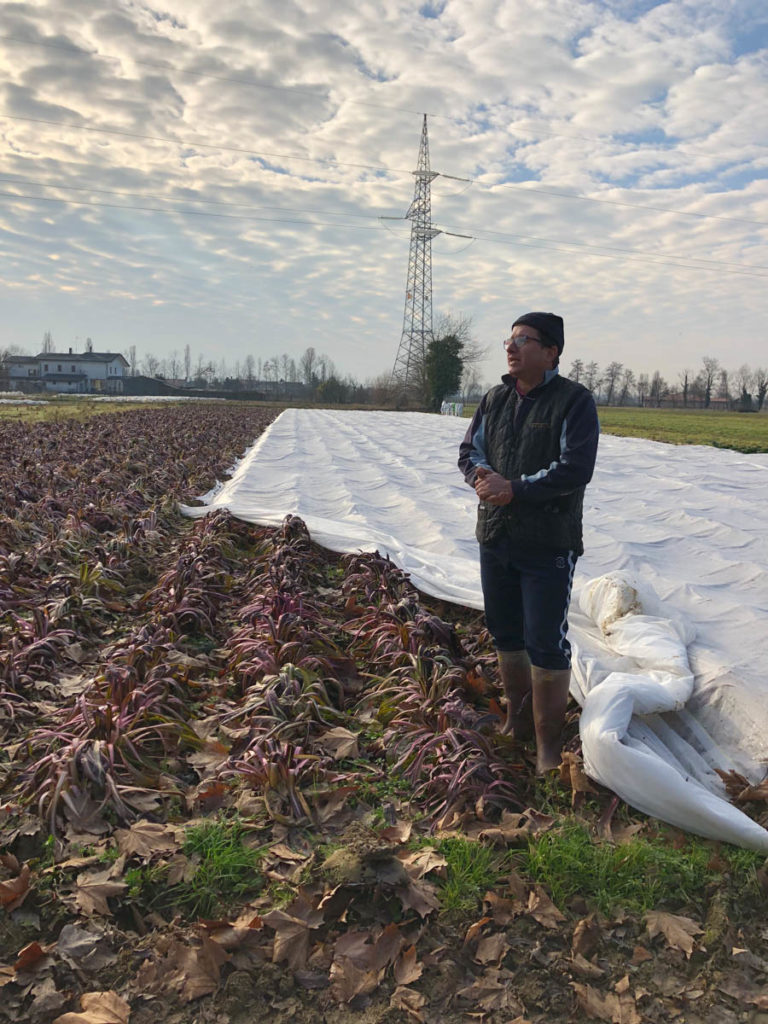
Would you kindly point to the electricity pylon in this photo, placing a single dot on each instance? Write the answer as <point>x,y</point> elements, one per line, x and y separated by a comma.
<point>408,371</point>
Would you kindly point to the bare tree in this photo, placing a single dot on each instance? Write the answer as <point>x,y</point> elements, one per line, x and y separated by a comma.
<point>47,342</point>
<point>611,378</point>
<point>627,383</point>
<point>659,389</point>
<point>743,378</point>
<point>133,360</point>
<point>187,362</point>
<point>723,388</point>
<point>592,377</point>
<point>150,365</point>
<point>174,365</point>
<point>308,366</point>
<point>643,387</point>
<point>249,368</point>
<point>708,375</point>
<point>576,371</point>
<point>685,379</point>
<point>760,382</point>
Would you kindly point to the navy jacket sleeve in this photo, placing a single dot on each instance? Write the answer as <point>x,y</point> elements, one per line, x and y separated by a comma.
<point>472,448</point>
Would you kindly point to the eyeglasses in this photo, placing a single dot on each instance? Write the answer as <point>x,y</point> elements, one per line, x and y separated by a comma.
<point>520,341</point>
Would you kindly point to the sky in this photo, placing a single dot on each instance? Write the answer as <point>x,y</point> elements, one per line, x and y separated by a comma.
<point>235,177</point>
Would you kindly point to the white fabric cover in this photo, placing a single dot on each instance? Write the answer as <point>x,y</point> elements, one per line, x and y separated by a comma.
<point>668,620</point>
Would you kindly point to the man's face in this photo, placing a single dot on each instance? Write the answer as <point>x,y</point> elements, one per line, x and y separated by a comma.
<point>532,360</point>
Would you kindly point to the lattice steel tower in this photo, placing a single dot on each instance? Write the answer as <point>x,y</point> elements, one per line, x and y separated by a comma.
<point>408,370</point>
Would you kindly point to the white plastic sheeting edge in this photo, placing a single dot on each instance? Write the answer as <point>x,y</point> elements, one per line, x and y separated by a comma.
<point>656,781</point>
<point>668,655</point>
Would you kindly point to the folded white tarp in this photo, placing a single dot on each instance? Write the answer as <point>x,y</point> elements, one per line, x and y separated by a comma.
<point>670,649</point>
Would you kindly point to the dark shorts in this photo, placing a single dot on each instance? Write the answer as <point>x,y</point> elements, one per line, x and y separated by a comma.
<point>526,595</point>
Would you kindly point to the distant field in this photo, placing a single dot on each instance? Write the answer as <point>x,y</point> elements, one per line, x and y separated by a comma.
<point>743,432</point>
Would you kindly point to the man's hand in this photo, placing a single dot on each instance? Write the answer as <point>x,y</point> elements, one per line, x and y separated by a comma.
<point>492,487</point>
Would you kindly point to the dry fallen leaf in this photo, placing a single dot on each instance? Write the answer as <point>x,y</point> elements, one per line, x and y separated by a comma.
<point>190,971</point>
<point>586,936</point>
<point>492,992</point>
<point>594,1004</point>
<point>420,862</point>
<point>338,742</point>
<point>94,889</point>
<point>491,949</point>
<point>542,909</point>
<point>14,891</point>
<point>407,968</point>
<point>585,968</point>
<point>291,939</point>
<point>677,930</point>
<point>409,1001</point>
<point>98,1008</point>
<point>738,987</point>
<point>349,981</point>
<point>502,910</point>
<point>146,839</point>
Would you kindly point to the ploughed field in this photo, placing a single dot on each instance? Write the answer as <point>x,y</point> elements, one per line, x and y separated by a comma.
<point>240,775</point>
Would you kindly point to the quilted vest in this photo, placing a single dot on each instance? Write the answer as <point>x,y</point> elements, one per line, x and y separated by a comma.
<point>556,523</point>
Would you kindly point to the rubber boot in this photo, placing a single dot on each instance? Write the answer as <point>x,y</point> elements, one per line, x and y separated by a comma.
<point>550,700</point>
<point>515,672</point>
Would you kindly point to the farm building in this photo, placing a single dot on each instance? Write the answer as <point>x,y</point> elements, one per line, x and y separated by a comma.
<point>77,372</point>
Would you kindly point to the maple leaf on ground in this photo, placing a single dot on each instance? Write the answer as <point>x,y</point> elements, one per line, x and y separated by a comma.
<point>32,957</point>
<point>14,891</point>
<point>94,889</point>
<point>98,1008</point>
<point>190,971</point>
<point>503,910</point>
<point>349,981</point>
<point>737,986</point>
<point>291,939</point>
<point>677,930</point>
<point>491,949</point>
<point>400,832</point>
<point>585,968</point>
<point>513,827</point>
<point>594,1004</point>
<point>146,839</point>
<point>338,742</point>
<point>542,909</point>
<point>419,896</point>
<point>421,862</point>
<point>409,1001</point>
<point>492,992</point>
<point>474,930</point>
<point>572,774</point>
<point>586,936</point>
<point>407,968</point>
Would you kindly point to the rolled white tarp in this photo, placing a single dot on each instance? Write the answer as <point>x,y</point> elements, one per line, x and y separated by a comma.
<point>670,611</point>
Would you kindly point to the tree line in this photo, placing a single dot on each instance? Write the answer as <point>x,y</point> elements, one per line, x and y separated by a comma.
<point>448,367</point>
<point>710,386</point>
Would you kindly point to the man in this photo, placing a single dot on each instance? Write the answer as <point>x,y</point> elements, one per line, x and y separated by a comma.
<point>529,454</point>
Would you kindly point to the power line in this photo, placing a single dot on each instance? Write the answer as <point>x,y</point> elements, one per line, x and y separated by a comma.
<point>376,167</point>
<point>660,259</point>
<point>201,145</point>
<point>176,199</point>
<point>188,213</point>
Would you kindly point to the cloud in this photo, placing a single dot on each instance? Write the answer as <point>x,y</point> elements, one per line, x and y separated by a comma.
<point>215,176</point>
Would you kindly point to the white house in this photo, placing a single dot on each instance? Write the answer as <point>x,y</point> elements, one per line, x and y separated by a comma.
<point>78,372</point>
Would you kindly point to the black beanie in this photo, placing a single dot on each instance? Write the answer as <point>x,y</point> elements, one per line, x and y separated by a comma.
<point>549,325</point>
